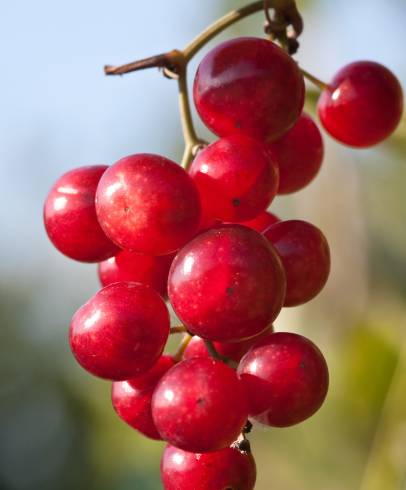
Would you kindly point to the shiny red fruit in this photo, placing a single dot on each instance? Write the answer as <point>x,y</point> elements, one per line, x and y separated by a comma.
<point>131,266</point>
<point>231,350</point>
<point>199,405</point>
<point>299,154</point>
<point>120,332</point>
<point>70,216</point>
<point>148,204</point>
<point>227,284</point>
<point>363,105</point>
<point>132,399</point>
<point>262,221</point>
<point>305,256</point>
<point>236,177</point>
<point>248,86</point>
<point>228,469</point>
<point>286,379</point>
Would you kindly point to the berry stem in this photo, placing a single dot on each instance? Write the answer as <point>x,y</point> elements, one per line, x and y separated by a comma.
<point>174,63</point>
<point>216,355</point>
<point>170,60</point>
<point>182,347</point>
<point>319,83</point>
<point>218,26</point>
<point>192,142</point>
<point>178,329</point>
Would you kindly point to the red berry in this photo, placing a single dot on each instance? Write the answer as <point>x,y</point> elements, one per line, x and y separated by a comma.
<point>70,216</point>
<point>248,86</point>
<point>363,105</point>
<point>120,332</point>
<point>232,350</point>
<point>227,469</point>
<point>146,203</point>
<point>236,178</point>
<point>305,256</point>
<point>132,399</point>
<point>262,221</point>
<point>227,284</point>
<point>199,405</point>
<point>132,266</point>
<point>286,379</point>
<point>299,154</point>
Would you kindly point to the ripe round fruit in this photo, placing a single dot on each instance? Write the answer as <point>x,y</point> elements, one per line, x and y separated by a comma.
<point>227,284</point>
<point>132,266</point>
<point>70,216</point>
<point>227,469</point>
<point>199,405</point>
<point>236,177</point>
<point>299,154</point>
<point>363,105</point>
<point>231,350</point>
<point>148,204</point>
<point>286,379</point>
<point>262,221</point>
<point>305,256</point>
<point>132,399</point>
<point>248,86</point>
<point>120,332</point>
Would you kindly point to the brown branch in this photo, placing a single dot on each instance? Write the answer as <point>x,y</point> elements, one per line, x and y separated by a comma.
<point>178,329</point>
<point>172,61</point>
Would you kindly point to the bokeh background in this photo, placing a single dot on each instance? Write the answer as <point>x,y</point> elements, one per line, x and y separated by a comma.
<point>58,111</point>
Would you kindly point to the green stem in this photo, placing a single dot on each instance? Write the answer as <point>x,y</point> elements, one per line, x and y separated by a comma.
<point>316,81</point>
<point>218,26</point>
<point>192,142</point>
<point>182,347</point>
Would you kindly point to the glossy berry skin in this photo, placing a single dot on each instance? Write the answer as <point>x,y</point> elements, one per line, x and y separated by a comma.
<point>231,350</point>
<point>132,399</point>
<point>70,216</point>
<point>227,469</point>
<point>363,105</point>
<point>148,204</point>
<point>120,332</point>
<point>262,222</point>
<point>131,266</point>
<point>305,255</point>
<point>286,379</point>
<point>199,405</point>
<point>299,154</point>
<point>227,284</point>
<point>236,177</point>
<point>248,86</point>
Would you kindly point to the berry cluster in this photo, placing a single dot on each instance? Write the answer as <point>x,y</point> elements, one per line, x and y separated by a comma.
<point>202,239</point>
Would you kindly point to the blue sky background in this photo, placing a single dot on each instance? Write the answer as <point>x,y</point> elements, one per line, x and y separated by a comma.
<point>58,110</point>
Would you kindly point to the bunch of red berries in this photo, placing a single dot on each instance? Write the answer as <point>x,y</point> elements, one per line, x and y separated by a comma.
<point>202,239</point>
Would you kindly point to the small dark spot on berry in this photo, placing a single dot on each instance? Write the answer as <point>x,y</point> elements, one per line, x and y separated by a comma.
<point>237,124</point>
<point>127,209</point>
<point>229,291</point>
<point>302,365</point>
<point>200,401</point>
<point>236,202</point>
